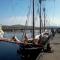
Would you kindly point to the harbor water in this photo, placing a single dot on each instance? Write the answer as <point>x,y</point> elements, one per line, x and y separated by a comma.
<point>8,51</point>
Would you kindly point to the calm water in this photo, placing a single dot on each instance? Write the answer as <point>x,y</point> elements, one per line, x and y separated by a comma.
<point>8,51</point>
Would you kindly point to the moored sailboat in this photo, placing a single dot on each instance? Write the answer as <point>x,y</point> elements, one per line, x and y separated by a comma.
<point>35,45</point>
<point>1,32</point>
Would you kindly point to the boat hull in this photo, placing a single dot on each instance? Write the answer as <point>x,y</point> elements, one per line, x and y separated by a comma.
<point>31,50</point>
<point>29,53</point>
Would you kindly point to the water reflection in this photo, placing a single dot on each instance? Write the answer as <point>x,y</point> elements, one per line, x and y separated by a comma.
<point>8,51</point>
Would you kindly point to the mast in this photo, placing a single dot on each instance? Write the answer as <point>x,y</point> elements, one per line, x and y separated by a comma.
<point>33,20</point>
<point>40,15</point>
<point>40,1</point>
<point>44,17</point>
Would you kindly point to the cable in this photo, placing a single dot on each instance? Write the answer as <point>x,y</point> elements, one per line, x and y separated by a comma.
<point>26,23</point>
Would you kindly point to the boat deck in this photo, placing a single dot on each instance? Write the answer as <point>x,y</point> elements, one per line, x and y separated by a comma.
<point>55,55</point>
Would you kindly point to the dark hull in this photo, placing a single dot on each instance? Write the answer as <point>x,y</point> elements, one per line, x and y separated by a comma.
<point>30,52</point>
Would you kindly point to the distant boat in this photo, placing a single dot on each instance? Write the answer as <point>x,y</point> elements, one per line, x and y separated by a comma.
<point>1,32</point>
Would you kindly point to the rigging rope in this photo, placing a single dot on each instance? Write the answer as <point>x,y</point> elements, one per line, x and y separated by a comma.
<point>38,13</point>
<point>26,23</point>
<point>48,20</point>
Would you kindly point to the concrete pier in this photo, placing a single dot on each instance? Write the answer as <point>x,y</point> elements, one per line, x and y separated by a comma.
<point>55,55</point>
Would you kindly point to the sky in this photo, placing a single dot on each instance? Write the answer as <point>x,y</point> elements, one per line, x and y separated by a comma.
<point>15,12</point>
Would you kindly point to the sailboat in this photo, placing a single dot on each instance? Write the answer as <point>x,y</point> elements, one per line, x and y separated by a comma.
<point>33,46</point>
<point>1,32</point>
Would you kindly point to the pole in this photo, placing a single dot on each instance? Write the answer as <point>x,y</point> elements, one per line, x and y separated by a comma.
<point>33,20</point>
<point>44,18</point>
<point>40,15</point>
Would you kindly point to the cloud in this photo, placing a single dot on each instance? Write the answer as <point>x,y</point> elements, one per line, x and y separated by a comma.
<point>12,20</point>
<point>54,21</point>
<point>18,19</point>
<point>57,21</point>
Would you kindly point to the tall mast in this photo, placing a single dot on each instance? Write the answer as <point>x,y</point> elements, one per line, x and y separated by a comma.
<point>40,1</point>
<point>40,15</point>
<point>44,17</point>
<point>33,20</point>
